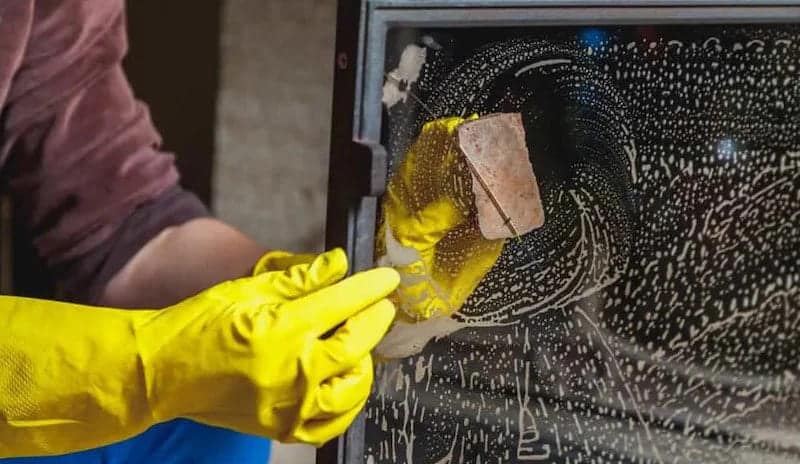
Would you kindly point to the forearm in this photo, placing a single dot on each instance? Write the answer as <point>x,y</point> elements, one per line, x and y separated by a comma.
<point>71,377</point>
<point>180,262</point>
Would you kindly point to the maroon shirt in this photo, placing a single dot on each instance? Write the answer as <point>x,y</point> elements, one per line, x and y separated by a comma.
<point>79,154</point>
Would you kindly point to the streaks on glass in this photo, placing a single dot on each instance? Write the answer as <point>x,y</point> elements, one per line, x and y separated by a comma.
<point>660,320</point>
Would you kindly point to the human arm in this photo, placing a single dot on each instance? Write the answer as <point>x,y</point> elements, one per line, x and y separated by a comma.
<point>91,186</point>
<point>180,262</point>
<point>78,377</point>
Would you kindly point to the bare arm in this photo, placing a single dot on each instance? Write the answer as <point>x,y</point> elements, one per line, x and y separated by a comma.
<point>180,262</point>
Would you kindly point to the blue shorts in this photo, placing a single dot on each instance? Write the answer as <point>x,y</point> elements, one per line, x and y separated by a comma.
<point>177,442</point>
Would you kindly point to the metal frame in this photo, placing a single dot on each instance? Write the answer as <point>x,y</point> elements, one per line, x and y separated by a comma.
<point>358,163</point>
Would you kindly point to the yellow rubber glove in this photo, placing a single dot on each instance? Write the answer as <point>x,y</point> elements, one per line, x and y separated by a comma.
<point>430,232</point>
<point>247,355</point>
<point>281,260</point>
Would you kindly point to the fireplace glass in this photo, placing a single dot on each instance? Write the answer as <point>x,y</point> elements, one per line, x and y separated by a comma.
<point>655,317</point>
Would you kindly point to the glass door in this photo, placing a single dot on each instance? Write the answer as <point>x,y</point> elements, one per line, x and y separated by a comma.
<point>655,317</point>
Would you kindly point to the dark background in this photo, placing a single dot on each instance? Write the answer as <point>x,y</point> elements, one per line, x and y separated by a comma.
<point>173,65</point>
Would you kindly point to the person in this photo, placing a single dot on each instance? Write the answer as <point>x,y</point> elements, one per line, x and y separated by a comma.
<point>181,339</point>
<point>102,206</point>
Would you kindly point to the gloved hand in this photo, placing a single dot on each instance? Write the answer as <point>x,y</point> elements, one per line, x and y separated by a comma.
<point>430,231</point>
<point>280,261</point>
<point>246,355</point>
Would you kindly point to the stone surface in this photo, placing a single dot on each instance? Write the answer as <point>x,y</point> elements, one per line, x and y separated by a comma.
<point>506,192</point>
<point>274,120</point>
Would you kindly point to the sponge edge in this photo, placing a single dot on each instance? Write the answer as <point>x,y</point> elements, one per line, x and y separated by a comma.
<point>506,192</point>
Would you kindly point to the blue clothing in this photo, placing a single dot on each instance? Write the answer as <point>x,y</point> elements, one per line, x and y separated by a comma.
<point>178,442</point>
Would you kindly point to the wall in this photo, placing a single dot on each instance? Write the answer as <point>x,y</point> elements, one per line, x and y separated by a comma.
<point>274,119</point>
<point>273,127</point>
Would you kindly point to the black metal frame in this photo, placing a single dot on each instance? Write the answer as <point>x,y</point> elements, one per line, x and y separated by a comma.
<point>358,163</point>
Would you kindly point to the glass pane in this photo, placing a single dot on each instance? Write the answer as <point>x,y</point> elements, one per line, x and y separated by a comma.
<point>656,315</point>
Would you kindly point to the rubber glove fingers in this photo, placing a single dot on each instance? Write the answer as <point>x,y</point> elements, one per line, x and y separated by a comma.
<point>302,278</point>
<point>339,401</point>
<point>344,394</point>
<point>248,355</point>
<point>341,363</point>
<point>340,394</point>
<point>281,260</point>
<point>252,355</point>
<point>250,296</point>
<point>432,168</point>
<point>425,228</point>
<point>312,431</point>
<point>330,306</point>
<point>352,341</point>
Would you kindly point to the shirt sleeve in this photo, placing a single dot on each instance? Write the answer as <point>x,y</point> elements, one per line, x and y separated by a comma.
<point>85,171</point>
